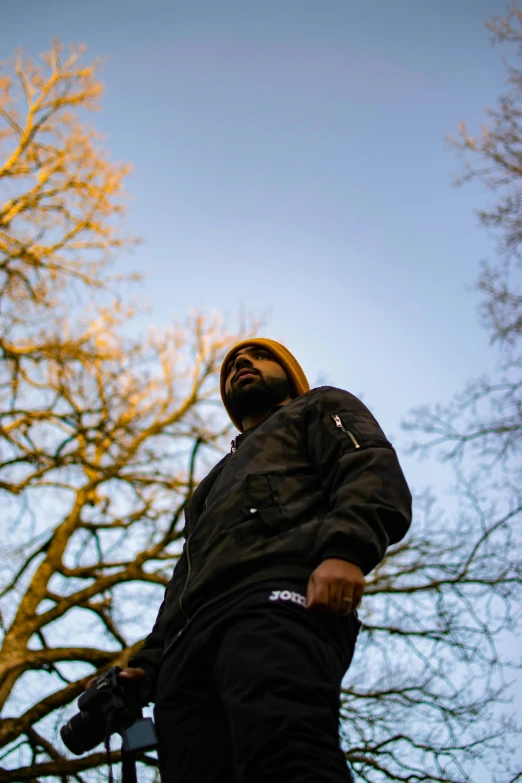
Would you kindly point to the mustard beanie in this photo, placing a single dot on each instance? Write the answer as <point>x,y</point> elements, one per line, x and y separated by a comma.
<point>298,382</point>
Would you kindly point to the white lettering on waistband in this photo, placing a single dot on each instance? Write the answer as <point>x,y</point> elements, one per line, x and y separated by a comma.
<point>287,595</point>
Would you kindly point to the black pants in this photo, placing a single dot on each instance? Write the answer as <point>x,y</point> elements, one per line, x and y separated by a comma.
<point>251,692</point>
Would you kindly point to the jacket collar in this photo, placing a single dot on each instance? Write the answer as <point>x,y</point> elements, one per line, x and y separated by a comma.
<point>239,438</point>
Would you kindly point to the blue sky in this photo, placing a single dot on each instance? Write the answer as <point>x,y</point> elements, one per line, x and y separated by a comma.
<point>289,155</point>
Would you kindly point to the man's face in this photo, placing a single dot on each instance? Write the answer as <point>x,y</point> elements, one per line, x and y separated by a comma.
<point>255,382</point>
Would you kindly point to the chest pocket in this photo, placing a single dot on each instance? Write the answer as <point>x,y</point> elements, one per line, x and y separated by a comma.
<point>261,500</point>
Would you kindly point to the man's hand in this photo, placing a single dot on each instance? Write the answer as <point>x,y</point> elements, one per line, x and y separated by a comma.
<point>131,673</point>
<point>332,581</point>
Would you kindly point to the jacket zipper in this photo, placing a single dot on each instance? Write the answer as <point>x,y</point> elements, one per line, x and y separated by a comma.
<point>340,425</point>
<point>188,567</point>
<point>185,585</point>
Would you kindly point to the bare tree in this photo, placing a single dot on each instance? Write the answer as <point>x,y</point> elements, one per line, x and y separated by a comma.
<point>110,464</point>
<point>480,430</point>
<point>99,433</point>
<point>484,421</point>
<point>103,438</point>
<point>490,411</point>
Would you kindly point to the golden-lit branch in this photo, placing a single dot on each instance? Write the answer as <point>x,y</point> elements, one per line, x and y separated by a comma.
<point>60,220</point>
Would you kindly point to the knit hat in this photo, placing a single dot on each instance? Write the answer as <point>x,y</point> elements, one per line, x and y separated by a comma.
<point>298,382</point>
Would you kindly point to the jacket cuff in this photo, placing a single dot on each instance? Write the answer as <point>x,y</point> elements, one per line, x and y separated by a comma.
<point>349,557</point>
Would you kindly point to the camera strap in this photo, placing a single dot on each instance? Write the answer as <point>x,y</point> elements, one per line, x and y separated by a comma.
<point>128,758</point>
<point>109,728</point>
<point>128,767</point>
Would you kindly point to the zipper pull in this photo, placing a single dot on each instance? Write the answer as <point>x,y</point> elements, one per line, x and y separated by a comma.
<point>233,445</point>
<point>338,423</point>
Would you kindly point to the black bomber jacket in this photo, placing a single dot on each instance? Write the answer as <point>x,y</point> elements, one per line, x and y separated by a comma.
<point>317,479</point>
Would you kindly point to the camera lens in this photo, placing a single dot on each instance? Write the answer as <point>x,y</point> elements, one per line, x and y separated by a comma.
<point>82,732</point>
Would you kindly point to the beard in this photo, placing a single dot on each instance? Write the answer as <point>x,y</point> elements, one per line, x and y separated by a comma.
<point>257,396</point>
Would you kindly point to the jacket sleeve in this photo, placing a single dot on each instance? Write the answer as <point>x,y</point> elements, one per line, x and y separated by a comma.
<point>368,499</point>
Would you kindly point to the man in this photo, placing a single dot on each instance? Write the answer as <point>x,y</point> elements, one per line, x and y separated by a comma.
<point>259,622</point>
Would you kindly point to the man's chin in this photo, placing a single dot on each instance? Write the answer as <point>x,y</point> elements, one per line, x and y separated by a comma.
<point>251,398</point>
<point>255,395</point>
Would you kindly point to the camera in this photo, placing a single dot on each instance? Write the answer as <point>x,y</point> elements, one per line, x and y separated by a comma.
<point>110,705</point>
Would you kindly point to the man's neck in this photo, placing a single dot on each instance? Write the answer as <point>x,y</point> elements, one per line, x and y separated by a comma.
<point>254,419</point>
